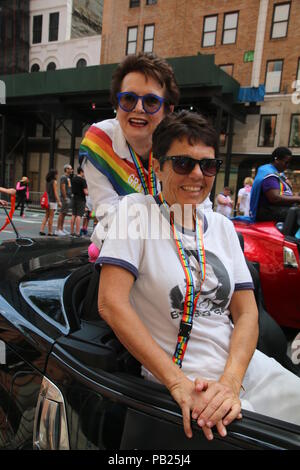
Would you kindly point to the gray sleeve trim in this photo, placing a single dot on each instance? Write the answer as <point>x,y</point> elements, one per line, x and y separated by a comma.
<point>244,286</point>
<point>117,262</point>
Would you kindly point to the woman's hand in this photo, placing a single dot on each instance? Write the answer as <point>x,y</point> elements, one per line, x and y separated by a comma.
<point>219,406</point>
<point>187,395</point>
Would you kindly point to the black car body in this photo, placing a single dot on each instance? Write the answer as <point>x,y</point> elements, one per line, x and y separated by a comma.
<point>66,382</point>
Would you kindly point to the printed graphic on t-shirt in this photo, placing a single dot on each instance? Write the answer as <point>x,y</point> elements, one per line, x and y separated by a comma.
<point>215,292</point>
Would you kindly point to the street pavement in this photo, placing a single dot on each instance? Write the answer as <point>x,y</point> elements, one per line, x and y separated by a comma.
<point>30,225</point>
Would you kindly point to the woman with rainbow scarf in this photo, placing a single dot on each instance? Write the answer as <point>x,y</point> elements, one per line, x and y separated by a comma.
<point>116,154</point>
<point>179,296</point>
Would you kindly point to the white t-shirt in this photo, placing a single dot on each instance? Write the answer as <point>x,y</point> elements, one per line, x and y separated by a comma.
<point>224,209</point>
<point>244,195</point>
<point>103,195</point>
<point>159,289</point>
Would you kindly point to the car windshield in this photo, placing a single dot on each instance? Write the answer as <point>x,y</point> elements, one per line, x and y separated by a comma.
<point>46,298</point>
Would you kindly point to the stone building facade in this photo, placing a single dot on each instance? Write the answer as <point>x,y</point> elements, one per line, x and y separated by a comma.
<point>64,34</point>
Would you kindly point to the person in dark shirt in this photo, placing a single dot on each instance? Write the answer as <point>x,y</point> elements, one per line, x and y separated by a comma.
<point>22,194</point>
<point>79,192</point>
<point>65,197</point>
<point>275,195</point>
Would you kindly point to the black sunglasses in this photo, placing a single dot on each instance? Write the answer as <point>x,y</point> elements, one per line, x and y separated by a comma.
<point>184,164</point>
<point>151,103</point>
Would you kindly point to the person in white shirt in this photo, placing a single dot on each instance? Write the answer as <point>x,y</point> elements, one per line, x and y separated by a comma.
<point>116,154</point>
<point>176,290</point>
<point>224,202</point>
<point>243,202</point>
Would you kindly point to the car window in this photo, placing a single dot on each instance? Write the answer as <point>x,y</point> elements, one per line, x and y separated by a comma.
<point>46,298</point>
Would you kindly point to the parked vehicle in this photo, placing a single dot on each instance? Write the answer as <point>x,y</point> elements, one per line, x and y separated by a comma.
<point>276,250</point>
<point>66,382</point>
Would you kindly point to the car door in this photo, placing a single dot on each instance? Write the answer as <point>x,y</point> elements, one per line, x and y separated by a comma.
<point>32,318</point>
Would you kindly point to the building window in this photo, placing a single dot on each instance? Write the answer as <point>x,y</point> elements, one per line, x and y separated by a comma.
<point>53,26</point>
<point>35,68</point>
<point>81,63</point>
<point>134,3</point>
<point>148,38</point>
<point>51,66</point>
<point>273,76</point>
<point>294,140</point>
<point>37,29</point>
<point>230,26</point>
<point>228,68</point>
<point>267,130</point>
<point>151,2</point>
<point>131,40</point>
<point>209,30</point>
<point>280,20</point>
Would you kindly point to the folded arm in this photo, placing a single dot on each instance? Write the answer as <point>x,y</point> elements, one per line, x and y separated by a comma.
<point>274,197</point>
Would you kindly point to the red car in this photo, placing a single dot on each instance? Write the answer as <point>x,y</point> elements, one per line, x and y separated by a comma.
<point>276,249</point>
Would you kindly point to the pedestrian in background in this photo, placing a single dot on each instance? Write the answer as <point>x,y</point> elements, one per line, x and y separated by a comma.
<point>65,199</point>
<point>22,189</point>
<point>224,202</point>
<point>51,188</point>
<point>79,192</point>
<point>243,202</point>
<point>87,215</point>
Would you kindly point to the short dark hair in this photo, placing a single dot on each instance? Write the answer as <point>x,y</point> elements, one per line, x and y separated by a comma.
<point>51,175</point>
<point>280,153</point>
<point>151,66</point>
<point>80,170</point>
<point>183,124</point>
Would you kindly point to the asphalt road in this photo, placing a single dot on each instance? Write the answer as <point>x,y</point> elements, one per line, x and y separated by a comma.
<point>30,225</point>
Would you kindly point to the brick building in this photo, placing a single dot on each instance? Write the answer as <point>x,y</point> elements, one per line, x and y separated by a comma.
<point>255,41</point>
<point>14,36</point>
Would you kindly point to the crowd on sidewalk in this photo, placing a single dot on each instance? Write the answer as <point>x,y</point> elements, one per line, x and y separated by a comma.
<point>71,196</point>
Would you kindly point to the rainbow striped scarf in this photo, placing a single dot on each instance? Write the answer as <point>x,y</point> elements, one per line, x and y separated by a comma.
<point>122,174</point>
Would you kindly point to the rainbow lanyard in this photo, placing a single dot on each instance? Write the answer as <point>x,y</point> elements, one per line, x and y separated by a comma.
<point>148,182</point>
<point>191,298</point>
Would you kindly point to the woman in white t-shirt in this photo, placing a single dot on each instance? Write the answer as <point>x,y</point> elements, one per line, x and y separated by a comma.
<point>173,277</point>
<point>243,202</point>
<point>224,202</point>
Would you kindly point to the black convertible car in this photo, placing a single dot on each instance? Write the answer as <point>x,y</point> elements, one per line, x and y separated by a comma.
<point>67,383</point>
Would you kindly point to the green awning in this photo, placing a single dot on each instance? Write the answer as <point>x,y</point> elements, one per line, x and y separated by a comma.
<point>194,71</point>
<point>198,77</point>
